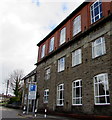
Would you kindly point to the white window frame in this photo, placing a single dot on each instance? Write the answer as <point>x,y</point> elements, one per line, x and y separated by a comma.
<point>51,45</point>
<point>46,95</point>
<point>62,36</point>
<point>61,64</point>
<point>92,8</point>
<point>76,57</point>
<point>43,51</point>
<point>74,97</point>
<point>60,89</point>
<point>33,78</point>
<point>27,82</point>
<point>77,25</point>
<point>98,45</point>
<point>47,73</point>
<point>104,82</point>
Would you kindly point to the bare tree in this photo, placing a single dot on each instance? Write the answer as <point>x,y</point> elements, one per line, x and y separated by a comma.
<point>15,81</point>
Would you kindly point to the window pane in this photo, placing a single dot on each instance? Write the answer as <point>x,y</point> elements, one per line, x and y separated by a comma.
<point>74,93</point>
<point>96,18</point>
<point>61,95</point>
<point>96,4</point>
<point>96,90</point>
<point>108,99</point>
<point>78,92</point>
<point>77,83</point>
<point>100,8</point>
<point>96,11</point>
<point>77,101</point>
<point>101,89</point>
<point>102,100</point>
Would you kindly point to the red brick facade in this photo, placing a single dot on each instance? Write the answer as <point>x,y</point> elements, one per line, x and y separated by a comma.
<point>84,11</point>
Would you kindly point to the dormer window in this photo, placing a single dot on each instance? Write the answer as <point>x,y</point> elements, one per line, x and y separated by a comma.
<point>43,51</point>
<point>77,25</point>
<point>96,11</point>
<point>51,46</point>
<point>62,36</point>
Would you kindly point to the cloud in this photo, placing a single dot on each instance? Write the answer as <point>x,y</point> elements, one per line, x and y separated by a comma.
<point>64,7</point>
<point>36,2</point>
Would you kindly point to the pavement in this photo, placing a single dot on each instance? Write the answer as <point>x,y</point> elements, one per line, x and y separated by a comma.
<point>45,117</point>
<point>15,114</point>
<point>63,116</point>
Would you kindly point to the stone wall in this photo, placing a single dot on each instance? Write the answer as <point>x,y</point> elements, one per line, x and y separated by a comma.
<point>85,71</point>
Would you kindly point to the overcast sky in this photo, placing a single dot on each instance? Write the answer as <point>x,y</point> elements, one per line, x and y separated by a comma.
<point>23,23</point>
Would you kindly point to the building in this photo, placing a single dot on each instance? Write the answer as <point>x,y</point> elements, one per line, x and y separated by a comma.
<point>74,67</point>
<point>4,98</point>
<point>29,79</point>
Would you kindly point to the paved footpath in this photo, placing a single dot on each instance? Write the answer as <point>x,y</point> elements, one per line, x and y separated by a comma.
<point>15,114</point>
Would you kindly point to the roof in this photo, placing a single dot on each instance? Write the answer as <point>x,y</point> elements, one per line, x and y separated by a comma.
<point>33,72</point>
<point>64,21</point>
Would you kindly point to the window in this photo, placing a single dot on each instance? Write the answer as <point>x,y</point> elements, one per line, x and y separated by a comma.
<point>43,51</point>
<point>77,25</point>
<point>76,57</point>
<point>77,92</point>
<point>46,95</point>
<point>61,64</point>
<point>47,74</point>
<point>101,89</point>
<point>51,48</point>
<point>32,78</point>
<point>96,11</point>
<point>27,82</point>
<point>62,36</point>
<point>98,47</point>
<point>60,95</point>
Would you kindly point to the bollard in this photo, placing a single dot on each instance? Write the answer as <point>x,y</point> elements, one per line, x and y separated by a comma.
<point>35,112</point>
<point>24,109</point>
<point>45,113</point>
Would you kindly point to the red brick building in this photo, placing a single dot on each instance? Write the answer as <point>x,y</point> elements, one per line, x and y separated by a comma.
<point>74,67</point>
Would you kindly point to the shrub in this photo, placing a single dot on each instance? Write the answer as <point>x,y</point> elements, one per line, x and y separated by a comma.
<point>14,99</point>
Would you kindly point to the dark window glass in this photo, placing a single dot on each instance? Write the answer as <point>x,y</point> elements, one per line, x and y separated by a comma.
<point>96,4</point>
<point>78,92</point>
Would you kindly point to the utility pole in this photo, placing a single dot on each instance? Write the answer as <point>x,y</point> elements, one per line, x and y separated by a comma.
<point>7,88</point>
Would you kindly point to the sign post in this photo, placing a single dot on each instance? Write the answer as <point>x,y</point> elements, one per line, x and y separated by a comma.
<point>32,94</point>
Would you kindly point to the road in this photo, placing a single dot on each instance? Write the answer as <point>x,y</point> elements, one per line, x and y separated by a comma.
<point>13,114</point>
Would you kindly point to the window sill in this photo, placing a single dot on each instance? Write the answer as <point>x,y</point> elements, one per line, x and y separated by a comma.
<point>76,34</point>
<point>61,71</point>
<point>97,21</point>
<point>60,105</point>
<point>102,104</point>
<point>76,65</point>
<point>93,58</point>
<point>76,105</point>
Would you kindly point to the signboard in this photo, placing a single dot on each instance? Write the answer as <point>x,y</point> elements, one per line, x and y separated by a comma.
<point>32,91</point>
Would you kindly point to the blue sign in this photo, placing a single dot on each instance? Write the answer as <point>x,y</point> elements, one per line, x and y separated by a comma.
<point>32,87</point>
